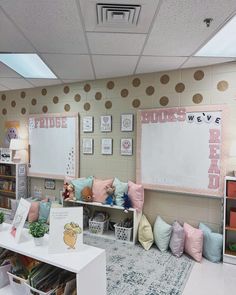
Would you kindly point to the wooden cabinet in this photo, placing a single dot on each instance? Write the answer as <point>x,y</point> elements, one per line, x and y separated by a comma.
<point>13,183</point>
<point>229,233</point>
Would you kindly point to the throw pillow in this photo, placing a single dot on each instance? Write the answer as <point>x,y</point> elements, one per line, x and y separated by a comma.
<point>145,235</point>
<point>44,211</point>
<point>193,242</point>
<point>33,214</point>
<point>121,188</point>
<point>136,195</point>
<point>177,239</point>
<point>81,183</point>
<point>99,189</point>
<point>212,244</point>
<point>162,234</point>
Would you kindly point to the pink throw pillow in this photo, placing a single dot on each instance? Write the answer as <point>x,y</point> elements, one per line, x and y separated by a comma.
<point>136,195</point>
<point>193,242</point>
<point>33,212</point>
<point>99,189</point>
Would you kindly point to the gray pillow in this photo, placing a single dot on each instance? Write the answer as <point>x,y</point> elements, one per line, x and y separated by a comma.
<point>14,205</point>
<point>177,239</point>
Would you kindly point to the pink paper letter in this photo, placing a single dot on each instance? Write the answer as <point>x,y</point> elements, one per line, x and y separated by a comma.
<point>214,181</point>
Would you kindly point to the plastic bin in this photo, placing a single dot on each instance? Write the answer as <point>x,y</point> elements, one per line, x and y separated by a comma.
<point>231,189</point>
<point>4,278</point>
<point>97,227</point>
<point>123,233</point>
<point>232,221</point>
<point>17,284</point>
<point>32,291</point>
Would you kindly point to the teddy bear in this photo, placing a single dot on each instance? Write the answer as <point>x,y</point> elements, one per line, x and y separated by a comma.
<point>86,194</point>
<point>110,200</point>
<point>69,192</point>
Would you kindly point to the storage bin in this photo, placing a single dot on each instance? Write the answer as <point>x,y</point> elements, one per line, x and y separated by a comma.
<point>4,279</point>
<point>17,284</point>
<point>97,227</point>
<point>232,219</point>
<point>32,291</point>
<point>231,189</point>
<point>123,233</point>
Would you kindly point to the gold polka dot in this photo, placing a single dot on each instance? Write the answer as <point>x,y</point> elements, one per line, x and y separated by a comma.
<point>13,103</point>
<point>164,100</point>
<point>136,82</point>
<point>34,101</point>
<point>67,107</point>
<point>44,91</point>
<point>22,94</point>
<point>150,90</point>
<point>124,92</point>
<point>222,85</point>
<point>45,109</point>
<point>87,106</point>
<point>197,98</point>
<point>110,85</point>
<point>23,111</point>
<point>136,103</point>
<point>55,99</point>
<point>87,87</point>
<point>77,97</point>
<point>179,87</point>
<point>108,104</point>
<point>98,95</point>
<point>198,75</point>
<point>164,79</point>
<point>4,97</point>
<point>66,89</point>
<point>4,111</point>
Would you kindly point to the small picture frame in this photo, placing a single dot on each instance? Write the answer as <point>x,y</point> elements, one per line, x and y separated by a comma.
<point>106,148</point>
<point>106,123</point>
<point>50,184</point>
<point>126,147</point>
<point>87,124</point>
<point>87,146</point>
<point>5,155</point>
<point>127,122</point>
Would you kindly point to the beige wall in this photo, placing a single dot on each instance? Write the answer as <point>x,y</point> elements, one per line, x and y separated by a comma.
<point>213,84</point>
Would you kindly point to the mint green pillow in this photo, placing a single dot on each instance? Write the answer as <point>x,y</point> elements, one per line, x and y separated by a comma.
<point>162,233</point>
<point>212,244</point>
<point>81,183</point>
<point>44,211</point>
<point>121,188</point>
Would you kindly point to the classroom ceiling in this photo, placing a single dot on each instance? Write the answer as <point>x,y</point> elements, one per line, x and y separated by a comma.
<point>145,36</point>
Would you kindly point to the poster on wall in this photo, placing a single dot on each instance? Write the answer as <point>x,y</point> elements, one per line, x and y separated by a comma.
<point>127,122</point>
<point>106,146</point>
<point>87,125</point>
<point>11,132</point>
<point>66,230</point>
<point>126,147</point>
<point>87,146</point>
<point>106,123</point>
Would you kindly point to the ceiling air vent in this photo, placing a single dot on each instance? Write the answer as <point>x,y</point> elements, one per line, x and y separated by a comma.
<point>117,14</point>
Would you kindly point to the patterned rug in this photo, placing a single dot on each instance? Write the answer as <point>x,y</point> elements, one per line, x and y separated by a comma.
<point>133,271</point>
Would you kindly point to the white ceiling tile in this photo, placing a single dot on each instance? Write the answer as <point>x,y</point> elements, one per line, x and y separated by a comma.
<point>204,61</point>
<point>179,29</point>
<point>148,8</point>
<point>149,64</point>
<point>11,38</point>
<point>15,83</point>
<point>6,72</point>
<point>67,66</point>
<point>44,82</point>
<point>71,80</point>
<point>114,66</point>
<point>52,26</point>
<point>110,43</point>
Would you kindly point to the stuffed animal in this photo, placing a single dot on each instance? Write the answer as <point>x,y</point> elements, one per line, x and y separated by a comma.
<point>69,192</point>
<point>127,203</point>
<point>86,194</point>
<point>110,200</point>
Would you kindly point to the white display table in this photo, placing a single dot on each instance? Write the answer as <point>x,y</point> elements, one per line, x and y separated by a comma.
<point>89,263</point>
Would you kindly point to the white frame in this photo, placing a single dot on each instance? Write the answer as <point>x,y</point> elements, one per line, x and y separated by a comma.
<point>127,122</point>
<point>106,126</point>
<point>87,124</point>
<point>106,146</point>
<point>87,146</point>
<point>126,151</point>
<point>49,184</point>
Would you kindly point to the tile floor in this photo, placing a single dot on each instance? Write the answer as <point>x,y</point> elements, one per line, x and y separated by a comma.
<point>209,278</point>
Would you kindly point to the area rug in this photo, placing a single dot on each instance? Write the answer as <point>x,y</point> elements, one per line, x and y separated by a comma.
<point>133,271</point>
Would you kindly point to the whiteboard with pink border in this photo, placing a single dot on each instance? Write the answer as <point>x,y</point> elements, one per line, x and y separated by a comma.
<point>182,149</point>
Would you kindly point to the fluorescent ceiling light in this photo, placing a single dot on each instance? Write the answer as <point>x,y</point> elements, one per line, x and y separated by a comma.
<point>223,44</point>
<point>27,65</point>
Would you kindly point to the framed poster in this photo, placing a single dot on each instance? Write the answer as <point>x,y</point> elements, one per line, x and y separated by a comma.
<point>50,184</point>
<point>106,146</point>
<point>106,123</point>
<point>87,124</point>
<point>127,122</point>
<point>126,146</point>
<point>87,146</point>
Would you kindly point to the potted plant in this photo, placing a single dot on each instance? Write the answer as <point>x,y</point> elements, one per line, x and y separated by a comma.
<point>2,218</point>
<point>37,230</point>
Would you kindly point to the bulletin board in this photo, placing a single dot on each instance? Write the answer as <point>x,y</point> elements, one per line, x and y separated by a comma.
<point>53,145</point>
<point>182,149</point>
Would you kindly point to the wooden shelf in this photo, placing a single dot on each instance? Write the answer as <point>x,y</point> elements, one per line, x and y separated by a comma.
<point>230,228</point>
<point>10,194</point>
<point>7,176</point>
<point>231,198</point>
<point>229,252</point>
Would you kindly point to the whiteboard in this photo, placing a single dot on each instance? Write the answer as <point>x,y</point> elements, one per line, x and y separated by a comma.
<point>53,145</point>
<point>181,149</point>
